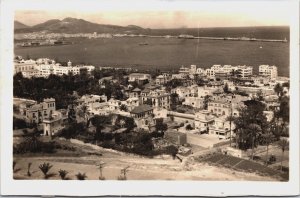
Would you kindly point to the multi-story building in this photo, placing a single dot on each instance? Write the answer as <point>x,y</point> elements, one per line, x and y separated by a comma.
<point>268,71</point>
<point>139,77</point>
<point>37,112</point>
<point>219,107</point>
<point>223,72</point>
<point>24,66</point>
<point>203,119</point>
<point>143,116</point>
<point>42,68</point>
<point>54,123</point>
<point>244,71</point>
<point>158,98</point>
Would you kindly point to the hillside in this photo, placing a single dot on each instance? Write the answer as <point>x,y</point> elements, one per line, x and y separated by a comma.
<point>72,25</point>
<point>19,25</point>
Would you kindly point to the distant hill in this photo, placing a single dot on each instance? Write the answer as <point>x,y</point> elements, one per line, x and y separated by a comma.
<point>19,25</point>
<point>73,25</point>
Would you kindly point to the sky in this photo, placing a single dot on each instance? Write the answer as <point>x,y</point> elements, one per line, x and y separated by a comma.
<point>162,14</point>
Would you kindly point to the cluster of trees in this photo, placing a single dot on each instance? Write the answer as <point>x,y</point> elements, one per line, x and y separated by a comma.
<point>253,129</point>
<point>62,87</point>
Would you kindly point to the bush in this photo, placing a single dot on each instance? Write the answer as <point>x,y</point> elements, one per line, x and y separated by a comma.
<point>272,159</point>
<point>62,174</point>
<point>81,176</point>
<point>171,150</point>
<point>189,127</point>
<point>34,145</point>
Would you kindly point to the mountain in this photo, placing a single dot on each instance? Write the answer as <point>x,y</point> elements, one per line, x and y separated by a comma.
<point>73,25</point>
<point>19,25</point>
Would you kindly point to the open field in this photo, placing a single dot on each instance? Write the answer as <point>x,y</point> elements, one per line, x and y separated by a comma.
<point>85,158</point>
<point>166,54</point>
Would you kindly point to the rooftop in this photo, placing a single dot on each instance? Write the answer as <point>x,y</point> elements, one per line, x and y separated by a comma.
<point>141,109</point>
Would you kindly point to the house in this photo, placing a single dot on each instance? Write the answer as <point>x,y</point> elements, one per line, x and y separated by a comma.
<point>268,71</point>
<point>195,102</point>
<point>157,98</point>
<point>38,112</point>
<point>203,119</point>
<point>55,122</point>
<point>219,107</point>
<point>221,128</point>
<point>143,116</point>
<point>139,77</point>
<point>131,103</point>
<point>135,93</point>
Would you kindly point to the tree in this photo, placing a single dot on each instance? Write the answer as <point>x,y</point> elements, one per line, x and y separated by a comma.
<point>123,107</point>
<point>254,133</point>
<point>160,126</point>
<point>174,99</point>
<point>205,101</point>
<point>250,124</point>
<point>283,145</point>
<point>172,150</point>
<point>81,176</point>
<point>28,169</point>
<point>226,89</point>
<point>188,127</point>
<point>278,89</point>
<point>45,167</point>
<point>63,174</point>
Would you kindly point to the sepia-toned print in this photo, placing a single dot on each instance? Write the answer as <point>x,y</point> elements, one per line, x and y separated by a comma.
<point>151,95</point>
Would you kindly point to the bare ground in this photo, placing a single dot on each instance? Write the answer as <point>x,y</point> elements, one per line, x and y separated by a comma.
<point>140,168</point>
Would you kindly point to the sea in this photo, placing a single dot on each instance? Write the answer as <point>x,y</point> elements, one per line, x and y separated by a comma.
<point>166,54</point>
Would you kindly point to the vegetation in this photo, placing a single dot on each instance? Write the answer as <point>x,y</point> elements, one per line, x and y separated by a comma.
<point>189,127</point>
<point>45,167</point>
<point>123,173</point>
<point>62,87</point>
<point>32,144</point>
<point>81,176</point>
<point>283,145</point>
<point>101,165</point>
<point>250,125</point>
<point>160,126</point>
<point>63,174</point>
<point>28,169</point>
<point>172,150</point>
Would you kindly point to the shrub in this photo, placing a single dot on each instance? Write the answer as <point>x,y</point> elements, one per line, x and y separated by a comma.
<point>62,174</point>
<point>172,150</point>
<point>81,176</point>
<point>45,167</point>
<point>272,159</point>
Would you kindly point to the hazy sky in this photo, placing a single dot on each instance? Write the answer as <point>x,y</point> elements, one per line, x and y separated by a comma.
<point>163,14</point>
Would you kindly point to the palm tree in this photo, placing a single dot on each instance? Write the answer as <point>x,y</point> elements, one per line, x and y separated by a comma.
<point>284,145</point>
<point>255,129</point>
<point>63,174</point>
<point>45,167</point>
<point>28,169</point>
<point>81,176</point>
<point>268,138</point>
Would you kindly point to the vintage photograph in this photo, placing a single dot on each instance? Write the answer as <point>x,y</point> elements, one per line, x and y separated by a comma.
<point>194,95</point>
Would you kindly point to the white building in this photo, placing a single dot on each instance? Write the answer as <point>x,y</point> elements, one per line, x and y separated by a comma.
<point>42,68</point>
<point>139,77</point>
<point>268,71</point>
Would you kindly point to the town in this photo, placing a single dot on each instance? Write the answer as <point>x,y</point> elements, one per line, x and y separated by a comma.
<point>230,116</point>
